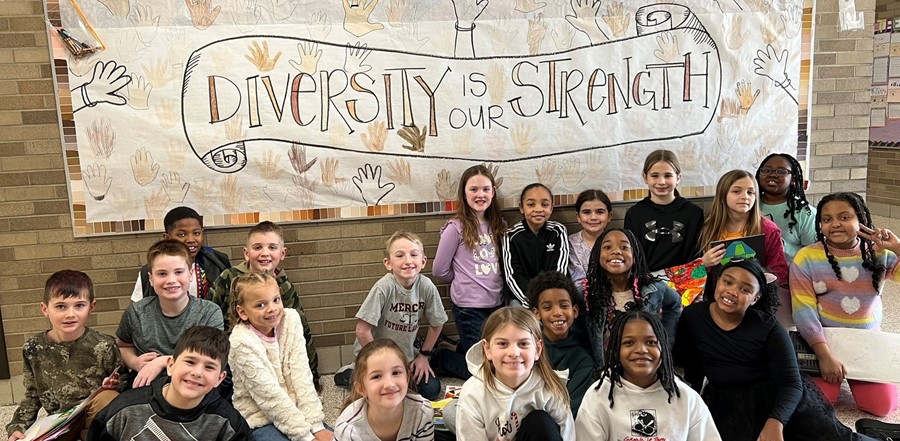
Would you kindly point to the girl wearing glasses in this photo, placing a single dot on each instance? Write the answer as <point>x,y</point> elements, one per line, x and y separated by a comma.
<point>780,181</point>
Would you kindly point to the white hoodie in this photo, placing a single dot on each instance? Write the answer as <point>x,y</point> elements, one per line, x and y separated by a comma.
<point>487,415</point>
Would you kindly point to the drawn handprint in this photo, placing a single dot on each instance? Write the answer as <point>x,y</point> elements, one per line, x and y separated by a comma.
<point>617,19</point>
<point>737,36</point>
<point>668,48</point>
<point>96,181</point>
<point>246,15</point>
<point>355,57</point>
<point>328,171</point>
<point>399,171</point>
<point>572,174</point>
<point>758,5</point>
<point>234,128</point>
<point>728,108</point>
<point>547,174</point>
<point>304,191</point>
<point>746,96</point>
<point>259,56</point>
<point>166,113</point>
<point>563,35</point>
<point>105,85</point>
<point>527,6</point>
<point>770,29</point>
<point>270,166</point>
<point>374,140</point>
<point>496,80</point>
<point>128,46</point>
<point>297,155</point>
<point>408,34</point>
<point>444,186</point>
<point>356,17</point>
<point>585,19</point>
<point>143,168</point>
<point>102,138</point>
<point>495,172</point>
<point>501,29</point>
<point>139,93</point>
<point>160,73</point>
<point>467,11</point>
<point>231,194</point>
<point>284,9</point>
<point>175,189</point>
<point>537,30</point>
<point>80,66</point>
<point>368,182</point>
<point>522,138</point>
<point>175,154</point>
<point>462,142</point>
<point>309,57</point>
<point>415,137</point>
<point>792,19</point>
<point>770,65</point>
<point>318,25</point>
<point>119,8</point>
<point>396,11</point>
<point>145,23</point>
<point>202,16</point>
<point>155,204</point>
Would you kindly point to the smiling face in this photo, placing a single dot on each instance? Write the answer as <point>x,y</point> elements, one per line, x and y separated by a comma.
<point>512,351</point>
<point>616,257</point>
<point>385,382</point>
<point>405,260</point>
<point>67,315</point>
<point>736,290</point>
<point>261,306</point>
<point>556,312</point>
<point>741,196</point>
<point>193,376</point>
<point>264,252</point>
<point>775,187</point>
<point>639,353</point>
<point>189,232</point>
<point>593,217</point>
<point>840,224</point>
<point>170,277</point>
<point>536,206</point>
<point>479,194</point>
<point>661,179</point>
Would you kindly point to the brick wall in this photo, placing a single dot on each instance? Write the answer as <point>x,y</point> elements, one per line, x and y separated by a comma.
<point>334,263</point>
<point>884,164</point>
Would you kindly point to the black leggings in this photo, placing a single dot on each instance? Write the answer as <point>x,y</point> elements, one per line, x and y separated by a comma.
<point>538,425</point>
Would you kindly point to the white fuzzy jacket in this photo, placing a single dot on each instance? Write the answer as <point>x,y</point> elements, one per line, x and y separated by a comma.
<point>268,393</point>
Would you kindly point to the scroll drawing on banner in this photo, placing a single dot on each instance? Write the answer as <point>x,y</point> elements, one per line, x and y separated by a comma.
<point>261,106</point>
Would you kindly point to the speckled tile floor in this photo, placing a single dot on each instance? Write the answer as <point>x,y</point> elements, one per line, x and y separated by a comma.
<point>333,396</point>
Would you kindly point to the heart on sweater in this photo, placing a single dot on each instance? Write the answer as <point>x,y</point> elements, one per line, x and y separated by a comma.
<point>850,304</point>
<point>819,287</point>
<point>849,274</point>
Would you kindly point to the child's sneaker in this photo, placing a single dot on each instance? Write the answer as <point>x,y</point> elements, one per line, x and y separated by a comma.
<point>878,429</point>
<point>344,376</point>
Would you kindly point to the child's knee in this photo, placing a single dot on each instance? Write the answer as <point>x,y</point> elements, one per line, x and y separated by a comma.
<point>831,390</point>
<point>879,399</point>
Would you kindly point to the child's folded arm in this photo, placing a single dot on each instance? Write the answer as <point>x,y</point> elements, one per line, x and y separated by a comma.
<point>26,413</point>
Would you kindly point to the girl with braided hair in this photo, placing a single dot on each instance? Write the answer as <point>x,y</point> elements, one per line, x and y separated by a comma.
<point>837,282</point>
<point>638,393</point>
<point>617,275</point>
<point>780,179</point>
<point>754,389</point>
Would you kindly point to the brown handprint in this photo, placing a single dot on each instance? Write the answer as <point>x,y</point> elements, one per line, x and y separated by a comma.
<point>259,56</point>
<point>522,138</point>
<point>495,172</point>
<point>668,48</point>
<point>445,187</point>
<point>537,30</point>
<point>234,128</point>
<point>585,19</point>
<point>737,36</point>
<point>374,140</point>
<point>175,154</point>
<point>746,96</point>
<point>396,11</point>
<point>399,171</point>
<point>547,174</point>
<point>563,35</point>
<point>166,113</point>
<point>356,17</point>
<point>102,138</point>
<point>729,108</point>
<point>617,19</point>
<point>231,195</point>
<point>155,204</point>
<point>496,80</point>
<point>202,16</point>
<point>771,30</point>
<point>309,57</point>
<point>159,74</point>
<point>415,138</point>
<point>270,166</point>
<point>143,168</point>
<point>139,93</point>
<point>297,155</point>
<point>328,170</point>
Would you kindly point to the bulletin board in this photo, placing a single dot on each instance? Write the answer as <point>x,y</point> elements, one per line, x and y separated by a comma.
<point>294,111</point>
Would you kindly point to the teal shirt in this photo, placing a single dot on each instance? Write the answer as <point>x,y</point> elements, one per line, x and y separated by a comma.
<point>569,354</point>
<point>798,236</point>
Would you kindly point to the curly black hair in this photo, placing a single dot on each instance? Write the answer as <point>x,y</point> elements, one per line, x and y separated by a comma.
<point>866,247</point>
<point>613,367</point>
<point>796,196</point>
<point>550,280</point>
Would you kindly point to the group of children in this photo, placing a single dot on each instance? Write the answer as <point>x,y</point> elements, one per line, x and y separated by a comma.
<point>587,347</point>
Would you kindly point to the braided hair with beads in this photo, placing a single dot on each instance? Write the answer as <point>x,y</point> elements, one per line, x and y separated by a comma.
<point>599,293</point>
<point>866,247</point>
<point>796,196</point>
<point>613,367</point>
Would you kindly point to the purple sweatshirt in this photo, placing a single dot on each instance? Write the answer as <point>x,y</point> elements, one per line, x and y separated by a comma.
<point>474,275</point>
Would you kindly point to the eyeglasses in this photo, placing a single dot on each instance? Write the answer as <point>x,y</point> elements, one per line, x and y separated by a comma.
<point>774,171</point>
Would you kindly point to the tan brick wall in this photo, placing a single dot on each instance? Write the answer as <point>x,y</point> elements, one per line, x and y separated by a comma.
<point>334,264</point>
<point>887,9</point>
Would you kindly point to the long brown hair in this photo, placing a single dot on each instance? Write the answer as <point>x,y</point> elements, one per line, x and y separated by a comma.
<point>662,155</point>
<point>714,224</point>
<point>360,368</point>
<point>466,216</point>
<point>523,319</point>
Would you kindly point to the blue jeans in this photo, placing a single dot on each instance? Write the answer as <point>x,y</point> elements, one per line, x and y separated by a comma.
<point>430,390</point>
<point>269,433</point>
<point>469,322</point>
